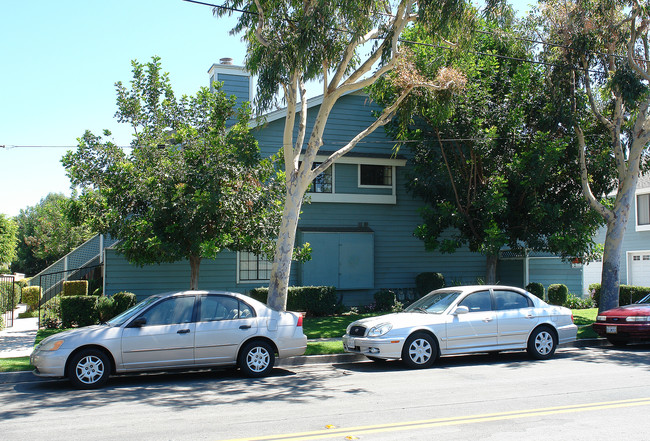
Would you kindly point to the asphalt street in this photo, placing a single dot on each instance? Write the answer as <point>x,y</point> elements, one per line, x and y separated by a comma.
<point>581,394</point>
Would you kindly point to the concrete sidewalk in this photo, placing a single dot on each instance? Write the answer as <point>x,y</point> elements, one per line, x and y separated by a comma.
<point>18,340</point>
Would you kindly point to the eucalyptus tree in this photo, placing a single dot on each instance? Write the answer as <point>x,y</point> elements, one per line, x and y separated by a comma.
<point>191,186</point>
<point>346,44</point>
<point>601,52</point>
<point>492,164</point>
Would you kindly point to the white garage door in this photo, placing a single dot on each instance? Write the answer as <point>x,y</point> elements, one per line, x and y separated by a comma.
<point>640,269</point>
<point>591,273</point>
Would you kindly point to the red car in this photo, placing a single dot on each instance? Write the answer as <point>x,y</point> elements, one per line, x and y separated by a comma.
<point>626,323</point>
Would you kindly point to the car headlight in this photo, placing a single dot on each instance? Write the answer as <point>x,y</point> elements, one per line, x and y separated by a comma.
<point>638,318</point>
<point>51,345</point>
<point>601,318</point>
<point>379,330</point>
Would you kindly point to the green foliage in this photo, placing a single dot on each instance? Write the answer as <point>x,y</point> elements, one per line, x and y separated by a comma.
<point>46,232</point>
<point>78,311</point>
<point>123,300</point>
<point>493,163</point>
<point>75,288</point>
<point>386,300</point>
<point>105,308</point>
<point>574,302</point>
<point>8,239</point>
<point>314,300</point>
<point>192,185</point>
<point>9,296</point>
<point>557,294</point>
<point>427,282</point>
<point>628,294</point>
<point>536,288</point>
<point>32,296</point>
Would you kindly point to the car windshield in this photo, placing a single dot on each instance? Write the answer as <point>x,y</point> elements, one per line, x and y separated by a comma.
<point>646,299</point>
<point>120,319</point>
<point>435,302</point>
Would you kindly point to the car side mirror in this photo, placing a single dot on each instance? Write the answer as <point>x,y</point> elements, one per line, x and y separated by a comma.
<point>461,310</point>
<point>139,322</point>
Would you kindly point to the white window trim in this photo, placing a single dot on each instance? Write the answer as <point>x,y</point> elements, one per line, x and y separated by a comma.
<point>344,198</point>
<point>636,210</point>
<point>392,177</point>
<point>244,282</point>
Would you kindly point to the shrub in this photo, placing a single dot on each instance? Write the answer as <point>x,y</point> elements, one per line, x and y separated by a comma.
<point>122,301</point>
<point>105,307</point>
<point>627,294</point>
<point>51,314</point>
<point>386,300</point>
<point>574,302</point>
<point>9,296</point>
<point>78,310</point>
<point>75,288</point>
<point>32,296</point>
<point>427,282</point>
<point>314,300</point>
<point>557,294</point>
<point>536,288</point>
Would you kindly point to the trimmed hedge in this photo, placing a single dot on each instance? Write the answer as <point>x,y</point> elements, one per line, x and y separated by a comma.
<point>557,294</point>
<point>32,296</point>
<point>75,288</point>
<point>627,294</point>
<point>122,301</point>
<point>536,288</point>
<point>314,300</point>
<point>427,282</point>
<point>385,300</point>
<point>78,310</point>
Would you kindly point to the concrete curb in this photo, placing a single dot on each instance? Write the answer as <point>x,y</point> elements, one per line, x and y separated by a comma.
<point>28,377</point>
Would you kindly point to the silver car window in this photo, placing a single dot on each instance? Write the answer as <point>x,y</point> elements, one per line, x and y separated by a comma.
<point>215,308</point>
<point>170,311</point>
<point>478,301</point>
<point>511,300</point>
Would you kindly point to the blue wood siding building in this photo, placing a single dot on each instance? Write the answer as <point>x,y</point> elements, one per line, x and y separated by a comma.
<point>359,221</point>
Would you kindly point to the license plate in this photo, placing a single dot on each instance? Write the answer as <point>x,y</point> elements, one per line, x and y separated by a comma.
<point>351,343</point>
<point>610,329</point>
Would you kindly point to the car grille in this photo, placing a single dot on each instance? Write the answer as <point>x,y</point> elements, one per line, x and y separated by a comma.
<point>358,331</point>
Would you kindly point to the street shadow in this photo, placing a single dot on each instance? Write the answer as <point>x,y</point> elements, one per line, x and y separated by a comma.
<point>173,390</point>
<point>633,355</point>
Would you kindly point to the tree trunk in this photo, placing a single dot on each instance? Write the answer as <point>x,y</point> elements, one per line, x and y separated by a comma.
<point>195,263</point>
<point>281,270</point>
<point>491,268</point>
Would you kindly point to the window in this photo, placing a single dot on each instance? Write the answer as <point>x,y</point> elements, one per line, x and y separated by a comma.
<point>171,311</point>
<point>375,175</point>
<point>323,182</point>
<point>643,209</point>
<point>215,308</point>
<point>511,300</point>
<point>478,301</point>
<point>253,267</point>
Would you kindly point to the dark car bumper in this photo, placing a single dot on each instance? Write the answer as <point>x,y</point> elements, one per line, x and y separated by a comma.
<point>627,331</point>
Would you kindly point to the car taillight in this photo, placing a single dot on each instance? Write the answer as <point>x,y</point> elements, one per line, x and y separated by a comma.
<point>571,318</point>
<point>299,320</point>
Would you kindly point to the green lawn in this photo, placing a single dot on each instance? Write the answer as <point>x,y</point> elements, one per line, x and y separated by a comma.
<point>314,328</point>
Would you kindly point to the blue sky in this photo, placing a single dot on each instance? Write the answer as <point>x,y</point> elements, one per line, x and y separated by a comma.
<point>59,63</point>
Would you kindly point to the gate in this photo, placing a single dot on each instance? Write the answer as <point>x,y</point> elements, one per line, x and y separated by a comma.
<point>8,299</point>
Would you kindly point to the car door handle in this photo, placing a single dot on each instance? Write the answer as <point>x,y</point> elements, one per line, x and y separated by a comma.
<point>245,327</point>
<point>530,316</point>
<point>488,319</point>
<point>183,331</point>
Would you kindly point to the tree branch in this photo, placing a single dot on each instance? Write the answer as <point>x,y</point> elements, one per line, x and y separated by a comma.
<point>584,179</point>
<point>260,25</point>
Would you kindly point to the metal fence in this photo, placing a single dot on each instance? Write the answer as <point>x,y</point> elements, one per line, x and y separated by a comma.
<point>8,299</point>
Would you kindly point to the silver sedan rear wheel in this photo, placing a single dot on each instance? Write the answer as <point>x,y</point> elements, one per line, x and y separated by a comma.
<point>542,344</point>
<point>256,359</point>
<point>420,350</point>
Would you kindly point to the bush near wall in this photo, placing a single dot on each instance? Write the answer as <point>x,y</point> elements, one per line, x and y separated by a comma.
<point>536,288</point>
<point>75,288</point>
<point>78,311</point>
<point>9,296</point>
<point>316,301</point>
<point>427,282</point>
<point>32,296</point>
<point>557,294</point>
<point>627,294</point>
<point>123,300</point>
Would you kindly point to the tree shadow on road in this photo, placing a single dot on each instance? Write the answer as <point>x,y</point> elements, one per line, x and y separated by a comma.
<point>176,390</point>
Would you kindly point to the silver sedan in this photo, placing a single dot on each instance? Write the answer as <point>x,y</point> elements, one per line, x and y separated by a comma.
<point>463,319</point>
<point>178,330</point>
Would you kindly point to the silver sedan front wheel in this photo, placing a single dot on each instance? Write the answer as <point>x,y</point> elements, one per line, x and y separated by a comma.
<point>420,350</point>
<point>542,343</point>
<point>89,369</point>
